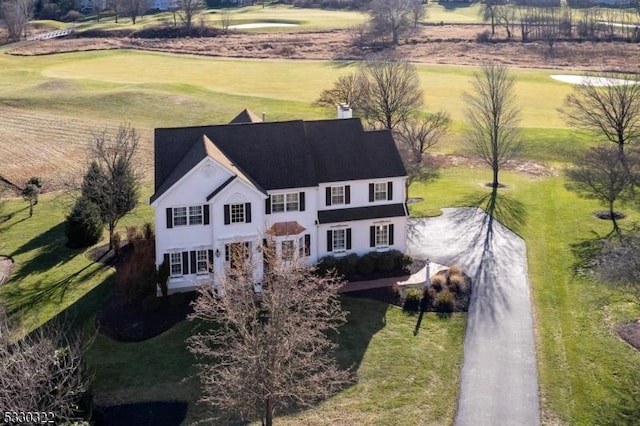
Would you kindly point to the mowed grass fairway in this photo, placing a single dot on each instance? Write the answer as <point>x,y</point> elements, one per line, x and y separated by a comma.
<point>587,374</point>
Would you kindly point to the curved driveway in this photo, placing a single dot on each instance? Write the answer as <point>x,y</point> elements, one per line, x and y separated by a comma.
<point>499,382</point>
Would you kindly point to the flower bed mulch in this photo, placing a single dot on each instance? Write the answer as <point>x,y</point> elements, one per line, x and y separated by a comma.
<point>630,333</point>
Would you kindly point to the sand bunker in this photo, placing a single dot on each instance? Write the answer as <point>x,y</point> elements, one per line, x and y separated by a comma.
<point>260,25</point>
<point>593,81</point>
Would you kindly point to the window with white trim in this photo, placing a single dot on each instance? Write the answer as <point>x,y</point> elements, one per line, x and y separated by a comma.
<point>237,213</point>
<point>285,202</point>
<point>380,191</point>
<point>287,250</point>
<point>237,253</point>
<point>337,195</point>
<point>179,216</point>
<point>339,239</point>
<point>175,263</point>
<point>195,215</point>
<point>301,247</point>
<point>382,235</point>
<point>202,261</point>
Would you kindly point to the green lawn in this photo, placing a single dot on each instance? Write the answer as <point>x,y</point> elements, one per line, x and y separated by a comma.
<point>587,375</point>
<point>396,370</point>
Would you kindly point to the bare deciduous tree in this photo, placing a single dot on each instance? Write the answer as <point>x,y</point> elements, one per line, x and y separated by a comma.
<point>417,12</point>
<point>225,21</point>
<point>31,191</point>
<point>606,107</point>
<point>346,90</point>
<point>136,8</point>
<point>489,11</point>
<point>601,174</point>
<point>112,181</point>
<point>42,371</point>
<point>493,117</point>
<point>271,350</point>
<point>188,9</point>
<point>391,92</point>
<point>16,15</point>
<point>391,17</point>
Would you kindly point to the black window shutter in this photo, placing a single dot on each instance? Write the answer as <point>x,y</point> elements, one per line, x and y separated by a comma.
<point>169,217</point>
<point>166,260</point>
<point>302,206</point>
<point>210,259</point>
<point>329,240</point>
<point>348,238</point>
<point>185,262</point>
<point>267,205</point>
<point>370,192</point>
<point>391,234</point>
<point>372,236</point>
<point>347,194</point>
<point>328,196</point>
<point>193,262</point>
<point>307,244</point>
<point>205,214</point>
<point>389,190</point>
<point>247,212</point>
<point>227,214</point>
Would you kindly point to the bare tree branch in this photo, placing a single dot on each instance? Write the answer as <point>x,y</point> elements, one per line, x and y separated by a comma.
<point>493,117</point>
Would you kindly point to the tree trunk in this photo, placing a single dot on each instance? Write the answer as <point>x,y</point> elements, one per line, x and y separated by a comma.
<point>495,176</point>
<point>111,229</point>
<point>268,412</point>
<point>616,228</point>
<point>30,208</point>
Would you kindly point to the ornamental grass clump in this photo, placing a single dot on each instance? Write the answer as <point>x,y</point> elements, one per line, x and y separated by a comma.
<point>445,301</point>
<point>438,282</point>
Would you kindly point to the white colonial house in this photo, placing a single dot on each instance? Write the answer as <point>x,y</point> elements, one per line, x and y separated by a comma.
<point>317,188</point>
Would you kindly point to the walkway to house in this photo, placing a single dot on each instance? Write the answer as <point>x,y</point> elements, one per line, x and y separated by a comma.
<point>498,384</point>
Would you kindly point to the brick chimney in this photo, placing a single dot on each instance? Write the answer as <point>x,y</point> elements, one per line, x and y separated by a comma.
<point>344,111</point>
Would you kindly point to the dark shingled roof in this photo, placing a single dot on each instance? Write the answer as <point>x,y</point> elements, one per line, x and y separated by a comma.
<point>362,213</point>
<point>279,155</point>
<point>246,116</point>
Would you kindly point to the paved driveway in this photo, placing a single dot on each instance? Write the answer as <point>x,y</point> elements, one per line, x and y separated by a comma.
<point>499,381</point>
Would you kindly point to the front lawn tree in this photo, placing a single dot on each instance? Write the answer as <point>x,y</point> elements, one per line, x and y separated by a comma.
<point>391,92</point>
<point>493,131</point>
<point>268,351</point>
<point>346,90</point>
<point>31,191</point>
<point>607,104</point>
<point>601,174</point>
<point>112,180</point>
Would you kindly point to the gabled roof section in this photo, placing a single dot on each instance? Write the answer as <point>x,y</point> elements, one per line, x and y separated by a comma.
<point>221,187</point>
<point>279,155</point>
<point>246,116</point>
<point>342,151</point>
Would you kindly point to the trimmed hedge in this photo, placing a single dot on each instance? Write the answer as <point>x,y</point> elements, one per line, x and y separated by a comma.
<point>370,263</point>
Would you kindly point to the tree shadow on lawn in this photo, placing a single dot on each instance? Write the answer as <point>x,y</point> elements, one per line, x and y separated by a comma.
<point>51,253</point>
<point>366,318</point>
<point>19,298</point>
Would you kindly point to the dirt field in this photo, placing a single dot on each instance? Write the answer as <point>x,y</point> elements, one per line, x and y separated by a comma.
<point>36,144</point>
<point>446,44</point>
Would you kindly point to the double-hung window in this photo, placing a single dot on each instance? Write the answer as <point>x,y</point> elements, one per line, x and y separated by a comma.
<point>301,247</point>
<point>337,195</point>
<point>195,215</point>
<point>339,240</point>
<point>285,202</point>
<point>287,250</point>
<point>380,191</point>
<point>175,263</point>
<point>202,262</point>
<point>382,235</point>
<point>179,216</point>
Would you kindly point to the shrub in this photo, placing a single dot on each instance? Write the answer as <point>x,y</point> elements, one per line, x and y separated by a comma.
<point>483,37</point>
<point>455,270</point>
<point>445,301</point>
<point>326,264</point>
<point>365,265</point>
<point>428,296</point>
<point>412,300</point>
<point>151,303</point>
<point>344,267</point>
<point>438,281</point>
<point>83,226</point>
<point>72,16</point>
<point>163,274</point>
<point>385,262</point>
<point>177,299</point>
<point>457,283</point>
